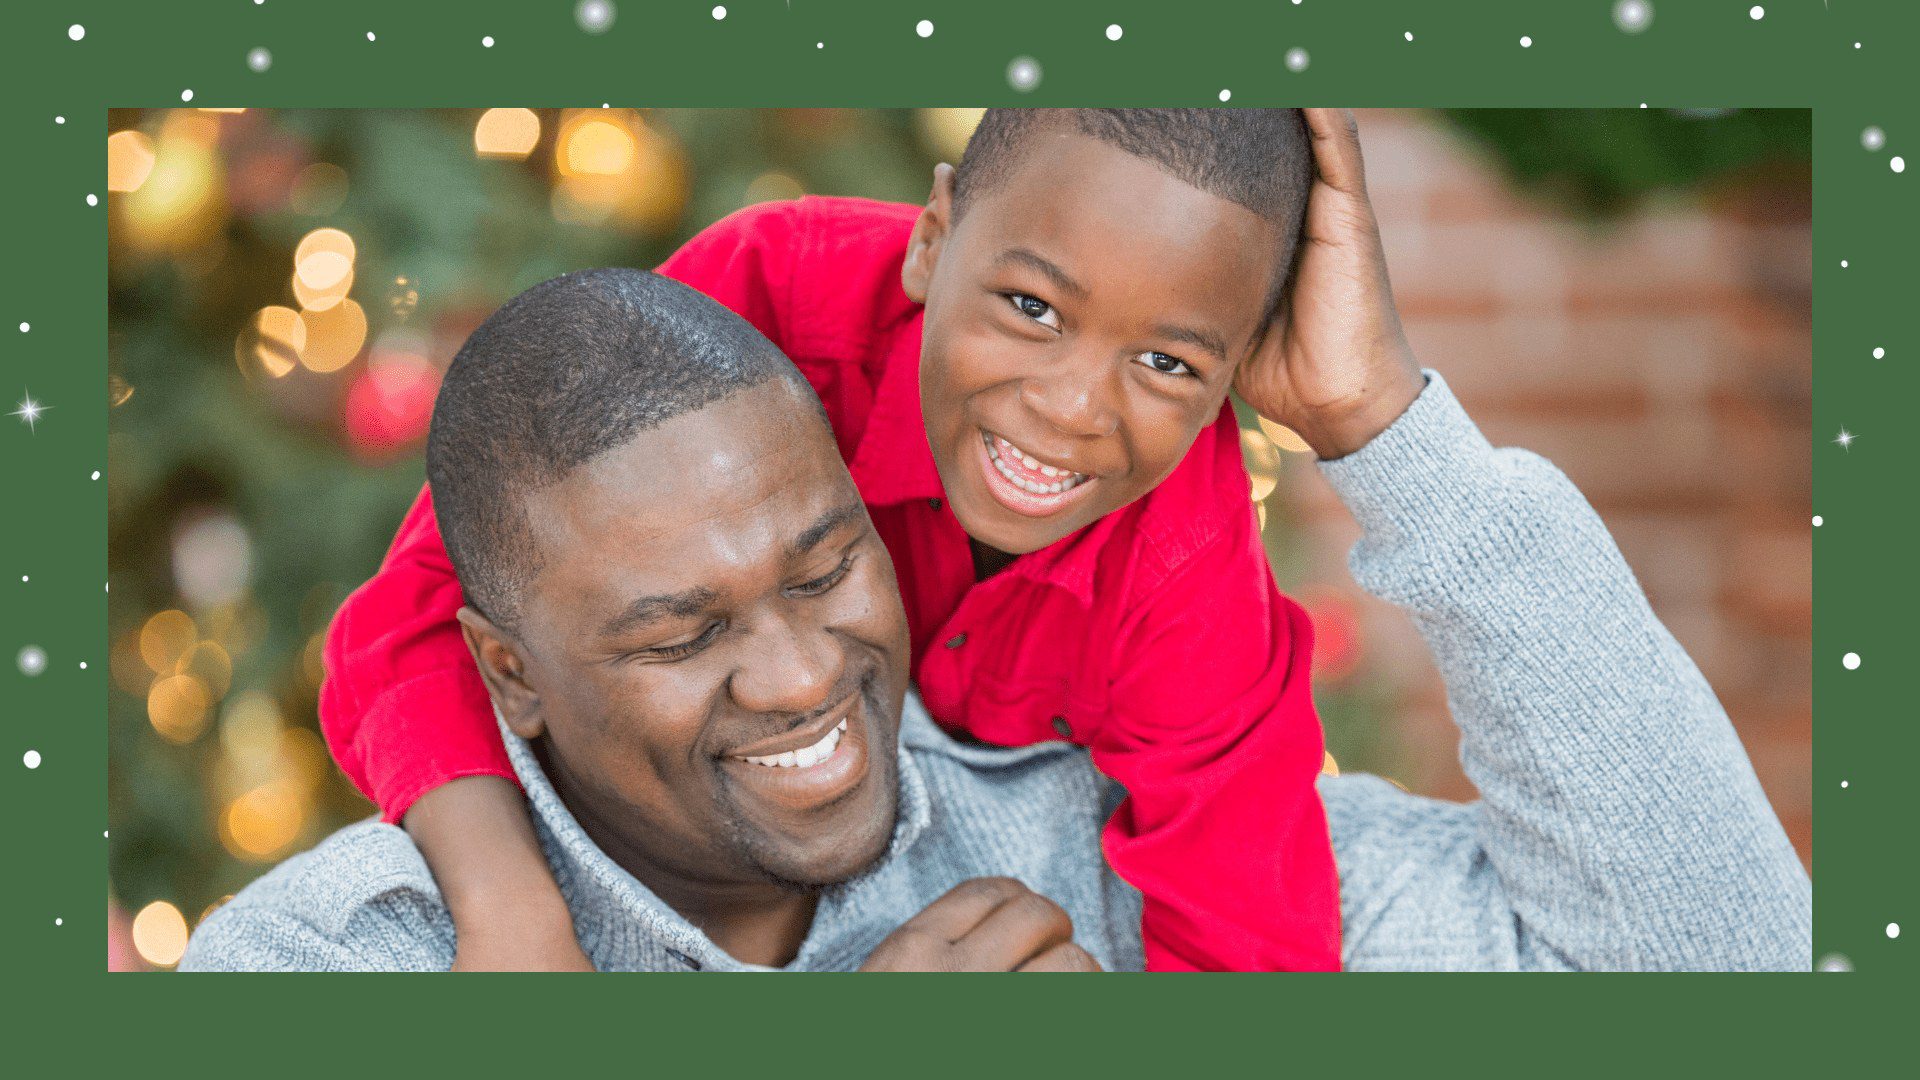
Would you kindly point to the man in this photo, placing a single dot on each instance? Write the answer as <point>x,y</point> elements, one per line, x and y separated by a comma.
<point>693,637</point>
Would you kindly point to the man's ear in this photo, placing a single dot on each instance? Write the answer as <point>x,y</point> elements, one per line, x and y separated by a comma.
<point>503,669</point>
<point>929,236</point>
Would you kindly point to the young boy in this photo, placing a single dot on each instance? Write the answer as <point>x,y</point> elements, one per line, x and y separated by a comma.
<point>1027,378</point>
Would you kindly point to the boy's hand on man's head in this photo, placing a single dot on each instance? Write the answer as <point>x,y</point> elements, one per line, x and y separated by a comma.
<point>1334,365</point>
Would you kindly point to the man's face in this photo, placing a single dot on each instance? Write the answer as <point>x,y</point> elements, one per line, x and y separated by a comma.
<point>1083,321</point>
<point>711,592</point>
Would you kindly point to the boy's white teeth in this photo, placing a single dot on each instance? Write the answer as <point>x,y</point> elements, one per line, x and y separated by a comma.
<point>1000,451</point>
<point>806,756</point>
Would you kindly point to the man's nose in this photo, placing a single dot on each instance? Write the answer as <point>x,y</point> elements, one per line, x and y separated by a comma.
<point>1076,396</point>
<point>789,668</point>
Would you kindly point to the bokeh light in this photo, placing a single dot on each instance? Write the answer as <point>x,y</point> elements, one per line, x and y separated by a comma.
<point>1285,437</point>
<point>177,707</point>
<point>166,636</point>
<point>129,160</point>
<point>262,822</point>
<point>506,133</point>
<point>272,342</point>
<point>160,934</point>
<point>334,336</point>
<point>1263,462</point>
<point>945,131</point>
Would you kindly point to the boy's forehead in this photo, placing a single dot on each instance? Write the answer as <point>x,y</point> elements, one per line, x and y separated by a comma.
<point>1078,200</point>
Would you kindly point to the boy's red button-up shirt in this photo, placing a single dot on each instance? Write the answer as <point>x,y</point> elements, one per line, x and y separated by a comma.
<point>1155,637</point>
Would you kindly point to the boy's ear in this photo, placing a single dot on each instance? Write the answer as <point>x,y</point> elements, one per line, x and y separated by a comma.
<point>929,236</point>
<point>504,671</point>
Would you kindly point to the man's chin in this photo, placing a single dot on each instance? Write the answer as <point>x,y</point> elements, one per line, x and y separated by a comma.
<point>846,858</point>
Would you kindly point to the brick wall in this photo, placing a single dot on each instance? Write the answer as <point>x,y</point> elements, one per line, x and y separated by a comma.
<point>1664,363</point>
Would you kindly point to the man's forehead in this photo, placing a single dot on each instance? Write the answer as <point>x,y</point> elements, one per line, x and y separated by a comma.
<point>686,501</point>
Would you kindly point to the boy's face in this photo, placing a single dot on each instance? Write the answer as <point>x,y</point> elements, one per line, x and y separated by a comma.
<point>713,645</point>
<point>1083,322</point>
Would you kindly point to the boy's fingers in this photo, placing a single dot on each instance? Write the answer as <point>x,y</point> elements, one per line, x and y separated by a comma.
<point>1336,149</point>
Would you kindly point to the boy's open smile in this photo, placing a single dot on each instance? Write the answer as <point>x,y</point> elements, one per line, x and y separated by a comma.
<point>1026,484</point>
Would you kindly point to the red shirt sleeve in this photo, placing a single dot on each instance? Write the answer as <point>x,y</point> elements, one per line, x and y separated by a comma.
<point>402,707</point>
<point>1212,731</point>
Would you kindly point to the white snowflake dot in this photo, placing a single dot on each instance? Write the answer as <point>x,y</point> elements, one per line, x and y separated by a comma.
<point>76,32</point>
<point>59,119</point>
<point>1818,521</point>
<point>186,95</point>
<point>1756,13</point>
<point>1873,138</point>
<point>1632,16</point>
<point>1226,95</point>
<point>1856,44</point>
<point>1879,354</point>
<point>1843,783</point>
<point>23,577</point>
<point>369,35</point>
<point>594,16</point>
<point>1023,74</point>
<point>719,12</point>
<point>259,59</point>
<point>1296,60</point>
<point>96,474</point>
<point>1898,164</point>
<point>1893,929</point>
<point>1851,661</point>
<point>1843,264</point>
<point>93,200</point>
<point>1114,32</point>
<point>1409,35</point>
<point>59,922</point>
<point>83,665</point>
<point>819,44</point>
<point>487,42</point>
<point>24,327</point>
<point>32,660</point>
<point>1526,43</point>
<point>924,28</point>
<point>31,759</point>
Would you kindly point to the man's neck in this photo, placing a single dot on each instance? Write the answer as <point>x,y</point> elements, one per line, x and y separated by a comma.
<point>755,922</point>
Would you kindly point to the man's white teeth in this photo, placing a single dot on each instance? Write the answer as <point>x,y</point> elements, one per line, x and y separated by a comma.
<point>1000,450</point>
<point>806,756</point>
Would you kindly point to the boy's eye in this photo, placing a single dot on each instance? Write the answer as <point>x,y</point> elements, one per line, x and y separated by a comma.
<point>683,649</point>
<point>1166,365</point>
<point>1036,309</point>
<point>827,581</point>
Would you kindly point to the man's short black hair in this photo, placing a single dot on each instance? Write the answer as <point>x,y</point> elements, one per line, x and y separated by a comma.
<point>564,372</point>
<point>1261,159</point>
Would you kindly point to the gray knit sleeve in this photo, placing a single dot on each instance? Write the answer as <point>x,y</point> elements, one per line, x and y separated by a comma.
<point>1620,824</point>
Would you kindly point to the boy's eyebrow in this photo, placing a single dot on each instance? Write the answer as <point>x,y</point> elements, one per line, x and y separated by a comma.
<point>1200,338</point>
<point>654,608</point>
<point>1033,260</point>
<point>823,526</point>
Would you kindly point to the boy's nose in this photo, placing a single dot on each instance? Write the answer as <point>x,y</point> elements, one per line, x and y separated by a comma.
<point>1074,399</point>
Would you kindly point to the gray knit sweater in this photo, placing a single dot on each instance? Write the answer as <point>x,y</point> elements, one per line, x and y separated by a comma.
<point>1620,824</point>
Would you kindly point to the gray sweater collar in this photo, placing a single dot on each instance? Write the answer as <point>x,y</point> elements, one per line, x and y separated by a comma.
<point>622,923</point>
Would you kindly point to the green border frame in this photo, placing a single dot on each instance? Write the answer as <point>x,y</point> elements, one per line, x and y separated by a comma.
<point>1802,53</point>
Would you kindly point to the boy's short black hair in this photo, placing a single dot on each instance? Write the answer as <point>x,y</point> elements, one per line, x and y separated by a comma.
<point>1261,159</point>
<point>564,372</point>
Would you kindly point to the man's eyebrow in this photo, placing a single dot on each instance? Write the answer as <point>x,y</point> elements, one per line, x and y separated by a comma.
<point>654,608</point>
<point>1201,338</point>
<point>823,527</point>
<point>1033,260</point>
